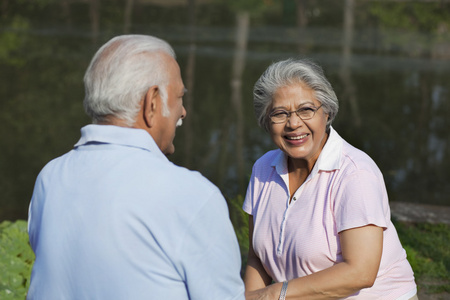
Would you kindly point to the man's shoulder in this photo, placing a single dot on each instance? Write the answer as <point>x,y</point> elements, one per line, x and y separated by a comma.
<point>132,164</point>
<point>55,162</point>
<point>189,179</point>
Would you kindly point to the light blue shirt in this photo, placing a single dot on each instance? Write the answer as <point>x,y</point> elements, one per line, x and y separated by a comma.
<point>115,219</point>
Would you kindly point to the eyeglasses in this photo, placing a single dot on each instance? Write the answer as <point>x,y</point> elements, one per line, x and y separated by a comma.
<point>304,113</point>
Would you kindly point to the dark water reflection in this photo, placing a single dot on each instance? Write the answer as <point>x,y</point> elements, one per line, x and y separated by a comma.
<point>393,87</point>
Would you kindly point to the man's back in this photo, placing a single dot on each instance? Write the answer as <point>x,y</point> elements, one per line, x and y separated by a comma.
<point>114,219</point>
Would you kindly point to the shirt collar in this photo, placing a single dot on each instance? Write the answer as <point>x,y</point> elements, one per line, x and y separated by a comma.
<point>110,134</point>
<point>280,163</point>
<point>329,158</point>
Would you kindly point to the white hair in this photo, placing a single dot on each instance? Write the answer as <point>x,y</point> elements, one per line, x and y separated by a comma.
<point>120,74</point>
<point>287,72</point>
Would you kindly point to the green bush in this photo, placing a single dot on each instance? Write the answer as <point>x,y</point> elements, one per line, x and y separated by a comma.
<point>239,218</point>
<point>16,260</point>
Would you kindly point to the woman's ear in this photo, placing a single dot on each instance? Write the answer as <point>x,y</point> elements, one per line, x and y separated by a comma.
<point>150,105</point>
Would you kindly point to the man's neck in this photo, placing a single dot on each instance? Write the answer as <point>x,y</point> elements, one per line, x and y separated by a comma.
<point>111,120</point>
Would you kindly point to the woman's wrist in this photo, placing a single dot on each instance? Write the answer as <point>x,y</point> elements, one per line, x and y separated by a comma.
<point>283,291</point>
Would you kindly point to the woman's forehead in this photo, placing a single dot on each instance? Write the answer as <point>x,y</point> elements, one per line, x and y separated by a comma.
<point>294,94</point>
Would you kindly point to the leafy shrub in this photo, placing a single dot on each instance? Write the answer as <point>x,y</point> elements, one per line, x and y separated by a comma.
<point>16,260</point>
<point>239,218</point>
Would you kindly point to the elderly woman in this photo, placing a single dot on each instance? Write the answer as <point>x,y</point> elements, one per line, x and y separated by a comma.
<point>319,224</point>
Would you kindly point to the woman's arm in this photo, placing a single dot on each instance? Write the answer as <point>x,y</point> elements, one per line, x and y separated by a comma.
<point>361,250</point>
<point>255,276</point>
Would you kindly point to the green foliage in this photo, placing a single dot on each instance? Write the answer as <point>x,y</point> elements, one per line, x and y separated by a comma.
<point>428,253</point>
<point>419,16</point>
<point>239,218</point>
<point>254,7</point>
<point>11,40</point>
<point>35,4</point>
<point>16,260</point>
<point>402,23</point>
<point>424,266</point>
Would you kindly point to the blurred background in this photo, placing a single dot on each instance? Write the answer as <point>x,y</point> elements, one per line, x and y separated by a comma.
<point>388,61</point>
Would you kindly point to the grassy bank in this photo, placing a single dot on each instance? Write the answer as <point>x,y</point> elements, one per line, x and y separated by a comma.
<point>427,246</point>
<point>428,250</point>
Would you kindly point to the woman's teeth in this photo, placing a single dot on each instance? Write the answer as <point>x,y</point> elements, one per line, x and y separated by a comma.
<point>297,137</point>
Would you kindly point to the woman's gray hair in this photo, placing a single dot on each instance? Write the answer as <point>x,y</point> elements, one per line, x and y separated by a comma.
<point>285,73</point>
<point>120,74</point>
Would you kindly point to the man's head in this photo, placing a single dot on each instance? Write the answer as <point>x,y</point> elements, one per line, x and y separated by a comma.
<point>134,81</point>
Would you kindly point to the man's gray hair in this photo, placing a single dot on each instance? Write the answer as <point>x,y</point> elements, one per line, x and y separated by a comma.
<point>120,74</point>
<point>285,73</point>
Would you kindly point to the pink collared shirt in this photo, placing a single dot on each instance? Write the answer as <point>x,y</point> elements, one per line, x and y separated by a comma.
<point>344,190</point>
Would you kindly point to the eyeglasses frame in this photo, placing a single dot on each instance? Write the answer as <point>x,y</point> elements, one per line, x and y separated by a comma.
<point>296,112</point>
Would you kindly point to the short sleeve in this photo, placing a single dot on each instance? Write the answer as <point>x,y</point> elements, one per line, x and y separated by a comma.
<point>361,200</point>
<point>247,206</point>
<point>35,211</point>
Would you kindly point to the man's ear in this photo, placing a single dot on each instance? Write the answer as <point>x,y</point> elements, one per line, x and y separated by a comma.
<point>150,105</point>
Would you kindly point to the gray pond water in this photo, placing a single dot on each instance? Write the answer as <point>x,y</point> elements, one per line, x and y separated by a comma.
<point>392,81</point>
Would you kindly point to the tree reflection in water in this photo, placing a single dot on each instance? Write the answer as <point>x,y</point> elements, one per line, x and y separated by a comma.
<point>389,63</point>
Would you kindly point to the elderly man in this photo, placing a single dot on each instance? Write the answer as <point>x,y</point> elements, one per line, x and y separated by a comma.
<point>113,218</point>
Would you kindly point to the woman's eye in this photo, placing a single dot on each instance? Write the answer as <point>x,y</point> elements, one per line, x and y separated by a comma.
<point>279,113</point>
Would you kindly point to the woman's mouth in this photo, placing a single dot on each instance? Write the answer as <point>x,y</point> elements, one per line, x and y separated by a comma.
<point>296,137</point>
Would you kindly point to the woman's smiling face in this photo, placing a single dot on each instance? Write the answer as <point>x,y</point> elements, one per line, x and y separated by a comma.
<point>299,139</point>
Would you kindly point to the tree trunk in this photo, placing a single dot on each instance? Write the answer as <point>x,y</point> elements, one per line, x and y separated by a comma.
<point>65,8</point>
<point>190,80</point>
<point>346,72</point>
<point>94,12</point>
<point>243,20</point>
<point>302,22</point>
<point>127,16</point>
<point>4,11</point>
